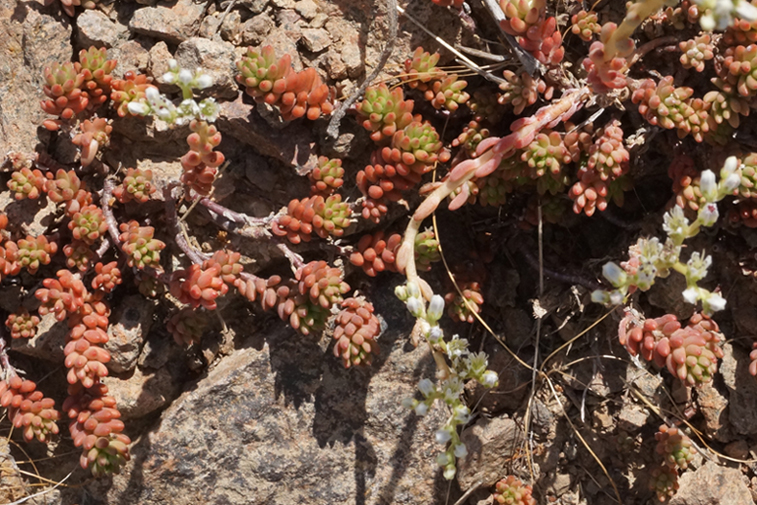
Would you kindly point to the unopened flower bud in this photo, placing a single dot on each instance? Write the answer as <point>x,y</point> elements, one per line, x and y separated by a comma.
<point>461,451</point>
<point>204,81</point>
<point>462,413</point>
<point>435,309</point>
<point>137,109</point>
<point>691,295</point>
<point>169,78</point>
<point>450,471</point>
<point>443,459</point>
<point>421,409</point>
<point>185,76</point>
<point>153,95</point>
<point>401,293</point>
<point>426,387</point>
<point>714,303</point>
<point>708,185</point>
<point>413,289</point>
<point>729,167</point>
<point>435,334</point>
<point>173,64</point>
<point>614,274</point>
<point>408,403</point>
<point>415,306</point>
<point>732,182</point>
<point>443,436</point>
<point>600,296</point>
<point>746,10</point>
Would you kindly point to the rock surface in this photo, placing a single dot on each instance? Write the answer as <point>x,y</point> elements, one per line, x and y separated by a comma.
<point>490,444</point>
<point>276,426</point>
<point>173,22</point>
<point>712,485</point>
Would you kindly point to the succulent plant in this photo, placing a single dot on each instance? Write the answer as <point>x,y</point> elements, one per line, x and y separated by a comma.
<point>664,481</point>
<point>741,64</point>
<point>375,254</point>
<point>522,90</point>
<point>384,112</point>
<point>417,147</point>
<point>63,86</point>
<point>228,261</point>
<point>96,68</point>
<point>22,324</point>
<point>97,428</point>
<point>262,75</point>
<point>92,136</point>
<point>28,409</point>
<point>421,69</point>
<point>107,276</point>
<point>138,244</point>
<point>197,286</point>
<point>88,224</point>
<point>34,252</point>
<point>462,308</point>
<point>686,183</point>
<point>332,216</point>
<point>521,14</point>
<point>323,283</point>
<point>79,255</point>
<point>201,163</point>
<point>447,92</point>
<point>256,288</point>
<point>62,296</point>
<point>26,183</point>
<point>63,187</point>
<point>137,185</point>
<point>326,177</point>
<point>130,89</point>
<point>696,51</point>
<point>356,331</point>
<point>85,356</point>
<point>187,325</point>
<point>585,25</point>
<point>305,95</point>
<point>511,491</point>
<point>674,446</point>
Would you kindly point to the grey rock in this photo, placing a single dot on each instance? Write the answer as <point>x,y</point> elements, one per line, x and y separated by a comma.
<point>632,417</point>
<point>231,26</point>
<point>315,39</point>
<point>289,22</point>
<point>334,66</point>
<point>29,42</point>
<point>293,146</point>
<point>284,44</point>
<point>47,344</point>
<point>96,29</point>
<point>130,322</point>
<point>255,29</point>
<point>712,485</point>
<point>319,21</point>
<point>254,6</point>
<point>308,9</point>
<point>131,55</point>
<point>216,59</point>
<point>714,408</point>
<point>172,22</point>
<point>276,426</point>
<point>742,389</point>
<point>145,391</point>
<point>490,444</point>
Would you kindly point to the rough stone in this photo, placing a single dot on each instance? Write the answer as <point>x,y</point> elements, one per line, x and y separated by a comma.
<point>315,39</point>
<point>632,417</point>
<point>490,444</point>
<point>283,4</point>
<point>130,322</point>
<point>347,42</point>
<point>714,408</point>
<point>255,29</point>
<point>334,66</point>
<point>95,29</point>
<point>173,22</point>
<point>130,55</point>
<point>216,59</point>
<point>159,58</point>
<point>28,217</point>
<point>319,21</point>
<point>308,9</point>
<point>29,42</point>
<point>266,417</point>
<point>712,485</point>
<point>231,26</point>
<point>284,44</point>
<point>738,449</point>
<point>254,6</point>
<point>293,146</point>
<point>145,391</point>
<point>742,389</point>
<point>290,23</point>
<point>47,344</point>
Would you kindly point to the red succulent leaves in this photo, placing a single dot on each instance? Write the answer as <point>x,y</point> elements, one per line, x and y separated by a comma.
<point>28,409</point>
<point>356,331</point>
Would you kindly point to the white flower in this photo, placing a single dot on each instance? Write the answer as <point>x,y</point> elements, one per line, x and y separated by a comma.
<point>172,64</point>
<point>408,403</point>
<point>614,274</point>
<point>708,185</point>
<point>708,214</point>
<point>600,296</point>
<point>435,309</point>
<point>443,459</point>
<point>401,293</point>
<point>713,303</point>
<point>435,334</point>
<point>746,10</point>
<point>462,414</point>
<point>490,379</point>
<point>153,95</point>
<point>413,289</point>
<point>137,108</point>
<point>461,451</point>
<point>691,295</point>
<point>732,182</point>
<point>729,167</point>
<point>169,78</point>
<point>616,297</point>
<point>697,267</point>
<point>443,436</point>
<point>675,224</point>
<point>204,81</point>
<point>209,110</point>
<point>426,387</point>
<point>185,76</point>
<point>421,409</point>
<point>457,347</point>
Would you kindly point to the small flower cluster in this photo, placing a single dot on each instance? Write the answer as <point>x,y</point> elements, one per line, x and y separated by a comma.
<point>461,366</point>
<point>438,87</point>
<point>152,102</point>
<point>275,82</point>
<point>650,258</point>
